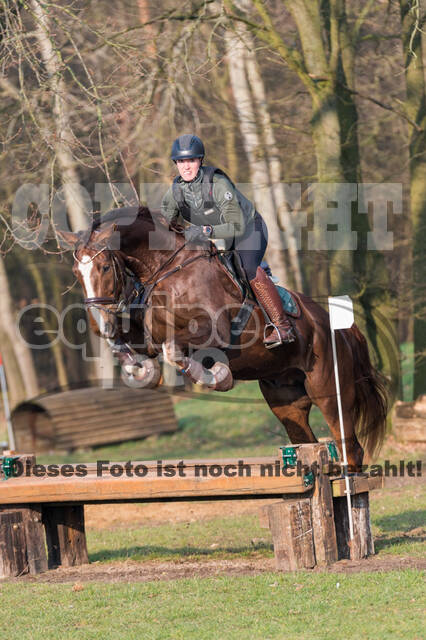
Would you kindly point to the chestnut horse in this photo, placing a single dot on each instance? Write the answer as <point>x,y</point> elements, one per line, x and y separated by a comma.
<point>189,303</point>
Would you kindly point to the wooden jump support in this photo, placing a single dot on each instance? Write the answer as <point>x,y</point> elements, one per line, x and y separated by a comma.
<point>308,522</point>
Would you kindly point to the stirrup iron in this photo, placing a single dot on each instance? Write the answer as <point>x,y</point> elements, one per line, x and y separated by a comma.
<point>272,345</point>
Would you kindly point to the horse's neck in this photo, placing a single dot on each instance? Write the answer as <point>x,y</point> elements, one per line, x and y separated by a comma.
<point>150,247</point>
<point>140,244</point>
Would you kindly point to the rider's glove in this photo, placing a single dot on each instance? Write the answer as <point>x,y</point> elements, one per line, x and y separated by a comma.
<point>195,234</point>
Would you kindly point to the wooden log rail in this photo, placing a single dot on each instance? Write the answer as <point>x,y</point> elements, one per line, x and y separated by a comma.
<point>308,522</point>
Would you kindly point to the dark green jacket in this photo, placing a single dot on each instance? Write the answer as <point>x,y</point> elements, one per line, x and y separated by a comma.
<point>231,213</point>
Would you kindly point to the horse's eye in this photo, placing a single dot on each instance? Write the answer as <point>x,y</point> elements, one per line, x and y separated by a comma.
<point>106,268</point>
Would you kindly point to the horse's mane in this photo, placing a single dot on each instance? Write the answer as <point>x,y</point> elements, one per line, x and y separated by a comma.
<point>125,216</point>
<point>130,222</point>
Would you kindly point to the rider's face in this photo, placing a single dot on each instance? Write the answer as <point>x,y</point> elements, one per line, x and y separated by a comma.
<point>188,168</point>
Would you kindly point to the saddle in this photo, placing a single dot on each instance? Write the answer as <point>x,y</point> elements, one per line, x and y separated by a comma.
<point>231,263</point>
<point>230,260</point>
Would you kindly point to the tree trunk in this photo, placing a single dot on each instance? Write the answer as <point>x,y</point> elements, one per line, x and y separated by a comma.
<point>326,135</point>
<point>272,158</point>
<point>259,175</point>
<point>15,385</point>
<point>21,351</point>
<point>325,120</point>
<point>104,365</point>
<point>63,140</point>
<point>56,347</point>
<point>414,48</point>
<point>144,17</point>
<point>368,266</point>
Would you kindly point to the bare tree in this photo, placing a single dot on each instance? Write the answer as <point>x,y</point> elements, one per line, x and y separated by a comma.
<point>263,195</point>
<point>63,138</point>
<point>23,361</point>
<point>258,120</point>
<point>413,16</point>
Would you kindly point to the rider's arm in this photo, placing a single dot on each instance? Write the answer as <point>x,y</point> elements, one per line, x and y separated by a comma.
<point>169,207</point>
<point>233,224</point>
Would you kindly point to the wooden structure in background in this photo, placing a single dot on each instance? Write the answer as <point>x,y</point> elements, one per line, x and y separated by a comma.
<point>91,417</point>
<point>409,422</point>
<point>308,522</point>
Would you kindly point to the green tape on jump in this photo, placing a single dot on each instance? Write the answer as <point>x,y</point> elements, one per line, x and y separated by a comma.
<point>332,451</point>
<point>289,456</point>
<point>8,466</point>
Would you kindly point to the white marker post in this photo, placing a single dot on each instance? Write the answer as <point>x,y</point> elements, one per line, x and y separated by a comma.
<point>341,317</point>
<point>10,434</point>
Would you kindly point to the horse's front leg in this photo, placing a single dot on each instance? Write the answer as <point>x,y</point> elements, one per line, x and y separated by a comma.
<point>218,377</point>
<point>135,367</point>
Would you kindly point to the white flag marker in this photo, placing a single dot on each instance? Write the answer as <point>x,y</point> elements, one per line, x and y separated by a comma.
<point>3,383</point>
<point>341,312</point>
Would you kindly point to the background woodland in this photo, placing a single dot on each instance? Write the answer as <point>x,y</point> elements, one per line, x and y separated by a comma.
<point>283,93</point>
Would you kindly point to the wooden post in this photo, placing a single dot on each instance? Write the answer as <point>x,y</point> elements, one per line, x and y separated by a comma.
<point>362,545</point>
<point>291,528</point>
<point>65,535</point>
<point>325,542</point>
<point>22,548</point>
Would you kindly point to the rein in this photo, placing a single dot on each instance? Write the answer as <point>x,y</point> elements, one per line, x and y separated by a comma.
<point>141,290</point>
<point>149,286</point>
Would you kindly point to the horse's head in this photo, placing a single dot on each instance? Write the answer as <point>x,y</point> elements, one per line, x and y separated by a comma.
<point>107,284</point>
<point>105,259</point>
<point>102,276</point>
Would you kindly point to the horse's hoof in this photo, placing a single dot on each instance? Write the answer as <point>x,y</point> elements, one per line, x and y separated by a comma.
<point>224,380</point>
<point>147,375</point>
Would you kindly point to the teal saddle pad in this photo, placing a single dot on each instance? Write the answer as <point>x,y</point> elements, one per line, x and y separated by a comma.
<point>289,303</point>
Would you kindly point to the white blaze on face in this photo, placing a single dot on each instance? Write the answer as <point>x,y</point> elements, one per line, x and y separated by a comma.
<point>85,268</point>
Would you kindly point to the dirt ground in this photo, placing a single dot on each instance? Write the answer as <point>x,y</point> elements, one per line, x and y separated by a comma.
<point>110,516</point>
<point>119,572</point>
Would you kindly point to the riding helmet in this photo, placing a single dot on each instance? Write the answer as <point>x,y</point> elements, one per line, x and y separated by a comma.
<point>187,146</point>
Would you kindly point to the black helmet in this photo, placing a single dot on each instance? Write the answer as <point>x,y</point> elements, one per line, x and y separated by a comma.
<point>187,146</point>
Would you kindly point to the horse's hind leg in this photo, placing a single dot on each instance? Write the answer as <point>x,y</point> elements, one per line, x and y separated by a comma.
<point>291,405</point>
<point>324,396</point>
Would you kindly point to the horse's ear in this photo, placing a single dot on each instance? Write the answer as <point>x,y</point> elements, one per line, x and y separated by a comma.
<point>67,238</point>
<point>102,237</point>
<point>146,213</point>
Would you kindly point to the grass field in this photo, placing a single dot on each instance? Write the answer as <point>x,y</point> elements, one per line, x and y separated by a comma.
<point>395,514</point>
<point>238,423</point>
<point>314,605</point>
<point>288,606</point>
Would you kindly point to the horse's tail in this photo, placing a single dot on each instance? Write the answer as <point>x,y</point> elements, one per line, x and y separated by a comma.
<point>371,401</point>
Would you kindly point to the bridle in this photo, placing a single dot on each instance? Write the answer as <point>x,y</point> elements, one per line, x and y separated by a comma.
<point>123,277</point>
<point>140,291</point>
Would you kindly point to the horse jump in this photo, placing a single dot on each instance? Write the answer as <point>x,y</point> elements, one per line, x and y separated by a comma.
<point>308,522</point>
<point>189,301</point>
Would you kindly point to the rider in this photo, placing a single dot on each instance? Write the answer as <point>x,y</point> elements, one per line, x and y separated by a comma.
<point>205,198</point>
